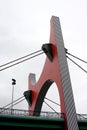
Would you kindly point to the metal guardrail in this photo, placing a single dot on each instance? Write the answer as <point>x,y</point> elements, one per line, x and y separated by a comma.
<point>82,116</point>
<point>19,112</point>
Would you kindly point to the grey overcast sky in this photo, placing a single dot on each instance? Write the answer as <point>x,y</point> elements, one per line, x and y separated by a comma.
<point>24,28</point>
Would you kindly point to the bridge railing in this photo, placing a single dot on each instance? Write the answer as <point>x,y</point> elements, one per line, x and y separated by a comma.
<point>82,116</point>
<point>19,112</point>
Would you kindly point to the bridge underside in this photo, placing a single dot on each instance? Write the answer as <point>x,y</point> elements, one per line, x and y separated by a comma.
<point>36,122</point>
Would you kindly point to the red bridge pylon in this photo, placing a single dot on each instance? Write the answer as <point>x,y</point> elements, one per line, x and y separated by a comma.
<point>55,70</point>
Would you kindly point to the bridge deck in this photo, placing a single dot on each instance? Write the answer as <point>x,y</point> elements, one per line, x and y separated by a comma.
<point>46,120</point>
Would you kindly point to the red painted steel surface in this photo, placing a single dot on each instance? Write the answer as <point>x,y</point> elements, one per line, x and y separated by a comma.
<point>50,72</point>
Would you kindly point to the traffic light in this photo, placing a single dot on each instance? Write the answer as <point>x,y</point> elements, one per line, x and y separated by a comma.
<point>13,81</point>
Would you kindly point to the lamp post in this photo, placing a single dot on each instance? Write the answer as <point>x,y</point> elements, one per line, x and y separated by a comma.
<point>13,83</point>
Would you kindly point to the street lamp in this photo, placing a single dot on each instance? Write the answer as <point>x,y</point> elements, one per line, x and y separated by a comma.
<point>13,83</point>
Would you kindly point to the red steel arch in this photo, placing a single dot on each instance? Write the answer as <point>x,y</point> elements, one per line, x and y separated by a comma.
<point>55,71</point>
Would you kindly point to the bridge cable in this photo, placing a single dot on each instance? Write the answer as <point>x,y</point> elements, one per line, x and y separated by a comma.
<point>77,64</point>
<point>76,57</point>
<point>51,107</point>
<point>12,103</point>
<point>53,101</point>
<point>34,55</point>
